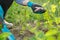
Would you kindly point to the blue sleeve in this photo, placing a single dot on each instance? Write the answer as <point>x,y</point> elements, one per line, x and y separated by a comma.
<point>1,11</point>
<point>19,1</point>
<point>29,3</point>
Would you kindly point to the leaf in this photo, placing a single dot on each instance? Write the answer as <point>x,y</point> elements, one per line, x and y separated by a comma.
<point>4,35</point>
<point>51,32</point>
<point>45,4</point>
<point>39,34</point>
<point>32,38</point>
<point>58,36</point>
<point>51,38</point>
<point>53,7</point>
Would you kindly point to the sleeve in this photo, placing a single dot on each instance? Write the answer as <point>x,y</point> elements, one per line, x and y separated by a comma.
<point>22,2</point>
<point>1,11</point>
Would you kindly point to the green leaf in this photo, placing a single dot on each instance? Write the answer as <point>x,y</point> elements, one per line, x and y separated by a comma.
<point>51,32</point>
<point>58,36</point>
<point>32,38</point>
<point>51,38</point>
<point>39,34</point>
<point>3,36</point>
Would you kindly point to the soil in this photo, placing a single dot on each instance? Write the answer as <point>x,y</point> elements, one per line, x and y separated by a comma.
<point>27,33</point>
<point>18,36</point>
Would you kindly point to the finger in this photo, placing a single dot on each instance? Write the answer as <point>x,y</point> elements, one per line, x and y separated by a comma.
<point>38,8</point>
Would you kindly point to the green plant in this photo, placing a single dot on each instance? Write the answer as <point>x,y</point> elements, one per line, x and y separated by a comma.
<point>4,36</point>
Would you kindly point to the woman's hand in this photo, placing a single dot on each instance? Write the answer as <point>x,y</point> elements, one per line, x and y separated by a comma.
<point>38,9</point>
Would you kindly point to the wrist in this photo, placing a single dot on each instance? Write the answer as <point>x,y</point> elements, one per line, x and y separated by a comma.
<point>30,4</point>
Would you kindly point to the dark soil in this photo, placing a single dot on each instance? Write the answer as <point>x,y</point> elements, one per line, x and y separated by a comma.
<point>18,36</point>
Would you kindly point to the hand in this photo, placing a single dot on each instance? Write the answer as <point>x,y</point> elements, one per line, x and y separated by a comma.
<point>38,9</point>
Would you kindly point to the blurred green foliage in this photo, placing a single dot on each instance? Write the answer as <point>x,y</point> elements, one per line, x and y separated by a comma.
<point>4,36</point>
<point>44,26</point>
